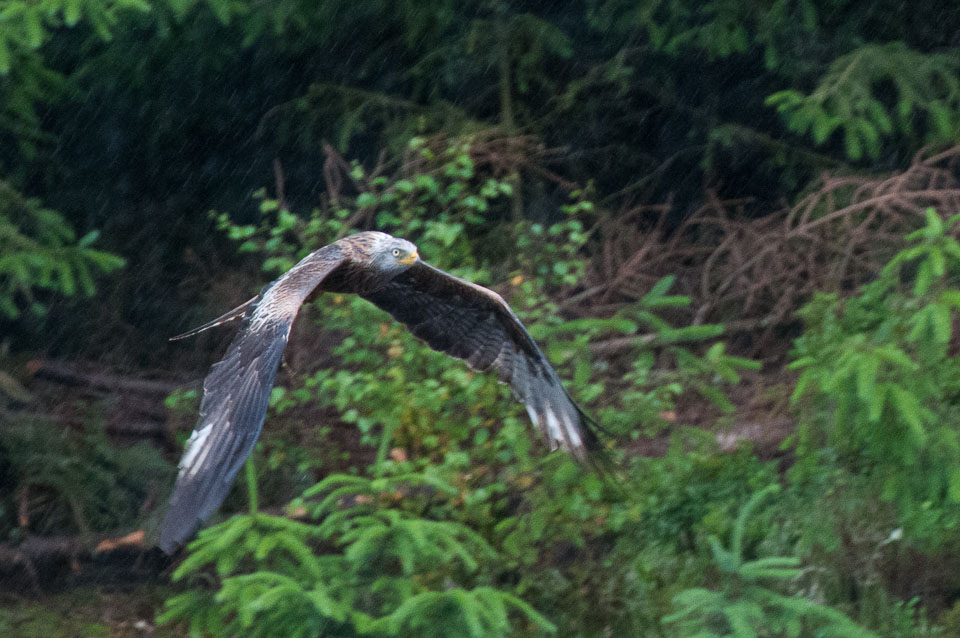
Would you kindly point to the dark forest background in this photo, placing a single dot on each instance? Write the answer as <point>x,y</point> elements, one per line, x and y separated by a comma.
<point>730,223</point>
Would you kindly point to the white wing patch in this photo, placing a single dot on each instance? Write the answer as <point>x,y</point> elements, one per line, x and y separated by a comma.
<point>190,464</point>
<point>536,421</point>
<point>553,425</point>
<point>565,432</point>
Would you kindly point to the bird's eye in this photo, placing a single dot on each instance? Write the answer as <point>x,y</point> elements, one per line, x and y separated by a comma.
<point>396,252</point>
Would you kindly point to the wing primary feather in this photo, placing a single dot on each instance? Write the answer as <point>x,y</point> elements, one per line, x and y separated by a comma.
<point>231,418</point>
<point>475,324</point>
<point>236,393</point>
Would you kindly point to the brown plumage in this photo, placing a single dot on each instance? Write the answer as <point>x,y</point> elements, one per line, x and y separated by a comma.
<point>452,315</point>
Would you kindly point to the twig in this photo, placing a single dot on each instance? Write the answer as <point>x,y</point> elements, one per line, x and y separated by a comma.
<point>279,183</point>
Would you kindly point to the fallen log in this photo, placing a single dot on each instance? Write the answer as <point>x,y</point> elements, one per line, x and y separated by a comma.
<point>42,562</point>
<point>76,375</point>
<point>134,429</point>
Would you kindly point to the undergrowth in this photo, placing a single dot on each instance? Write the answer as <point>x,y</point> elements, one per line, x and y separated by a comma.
<point>462,525</point>
<point>58,481</point>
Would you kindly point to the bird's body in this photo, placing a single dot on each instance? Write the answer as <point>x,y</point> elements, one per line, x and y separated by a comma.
<point>452,315</point>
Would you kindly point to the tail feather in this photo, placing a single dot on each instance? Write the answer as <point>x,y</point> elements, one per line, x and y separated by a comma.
<point>239,311</point>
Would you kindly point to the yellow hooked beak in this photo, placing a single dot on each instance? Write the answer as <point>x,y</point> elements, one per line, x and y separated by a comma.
<point>409,259</point>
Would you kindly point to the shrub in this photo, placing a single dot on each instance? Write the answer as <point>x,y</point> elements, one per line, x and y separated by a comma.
<point>373,566</point>
<point>879,384</point>
<point>746,607</point>
<point>39,251</point>
<point>85,483</point>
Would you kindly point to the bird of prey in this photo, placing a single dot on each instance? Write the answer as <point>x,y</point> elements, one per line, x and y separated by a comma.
<point>450,314</point>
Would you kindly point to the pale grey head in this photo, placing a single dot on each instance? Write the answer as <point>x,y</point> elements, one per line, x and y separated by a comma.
<point>392,255</point>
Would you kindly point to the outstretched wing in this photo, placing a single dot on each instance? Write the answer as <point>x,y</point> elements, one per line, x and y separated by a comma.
<point>473,323</point>
<point>235,396</point>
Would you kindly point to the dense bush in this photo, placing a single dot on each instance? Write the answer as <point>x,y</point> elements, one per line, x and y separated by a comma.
<point>879,384</point>
<point>57,481</point>
<point>374,564</point>
<point>745,606</point>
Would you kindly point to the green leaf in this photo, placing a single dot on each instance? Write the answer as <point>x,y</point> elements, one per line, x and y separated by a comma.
<point>743,362</point>
<point>365,200</point>
<point>31,21</point>
<point>4,56</point>
<point>896,356</point>
<point>718,398</point>
<point>880,117</point>
<point>924,278</point>
<point>88,239</point>
<point>954,489</point>
<point>71,12</point>
<point>221,9</point>
<point>950,298</point>
<point>823,126</point>
<point>803,383</point>
<point>934,222</point>
<point>772,573</point>
<point>941,116</point>
<point>799,120</point>
<point>940,320</point>
<point>802,362</point>
<point>659,289</point>
<point>867,377</point>
<point>909,409</point>
<point>851,142</point>
<point>870,137</point>
<point>774,562</point>
<point>784,100</point>
<point>938,263</point>
<point>714,352</point>
<point>875,402</point>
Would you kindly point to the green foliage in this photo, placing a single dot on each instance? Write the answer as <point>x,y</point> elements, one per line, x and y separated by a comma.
<point>855,96</point>
<point>662,373</point>
<point>718,28</point>
<point>204,93</point>
<point>656,385</point>
<point>462,428</point>
<point>746,607</point>
<point>85,483</point>
<point>247,83</point>
<point>878,383</point>
<point>459,520</point>
<point>692,492</point>
<point>371,567</point>
<point>25,26</point>
<point>448,408</point>
<point>443,207</point>
<point>39,251</point>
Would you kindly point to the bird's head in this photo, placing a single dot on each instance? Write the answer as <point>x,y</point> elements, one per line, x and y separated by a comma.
<point>394,255</point>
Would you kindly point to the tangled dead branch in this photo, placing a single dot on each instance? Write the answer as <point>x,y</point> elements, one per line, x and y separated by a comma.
<point>760,270</point>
